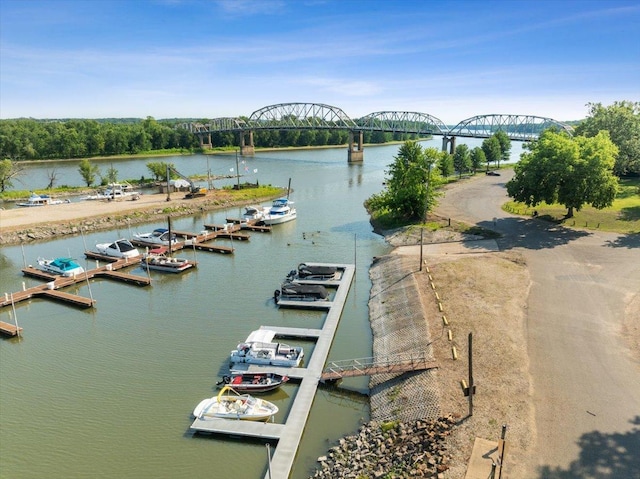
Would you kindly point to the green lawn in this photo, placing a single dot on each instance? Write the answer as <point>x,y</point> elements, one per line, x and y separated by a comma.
<point>622,217</point>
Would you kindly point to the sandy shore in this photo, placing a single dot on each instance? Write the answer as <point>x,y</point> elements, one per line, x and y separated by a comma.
<point>19,225</point>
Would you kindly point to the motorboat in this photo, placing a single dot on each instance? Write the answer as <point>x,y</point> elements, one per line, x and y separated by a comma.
<point>159,236</point>
<point>313,272</point>
<point>121,248</point>
<point>259,348</point>
<point>114,191</point>
<point>66,267</point>
<point>255,382</point>
<point>254,213</point>
<point>281,211</point>
<point>156,259</point>
<point>229,404</point>
<point>290,290</point>
<point>41,200</point>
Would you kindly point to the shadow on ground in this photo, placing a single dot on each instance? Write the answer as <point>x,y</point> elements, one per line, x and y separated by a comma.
<point>603,456</point>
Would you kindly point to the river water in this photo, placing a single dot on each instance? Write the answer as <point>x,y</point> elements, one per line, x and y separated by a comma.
<point>109,392</point>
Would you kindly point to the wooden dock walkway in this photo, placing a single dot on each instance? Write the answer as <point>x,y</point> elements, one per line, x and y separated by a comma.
<point>51,289</point>
<point>290,433</point>
<point>198,240</point>
<point>8,329</point>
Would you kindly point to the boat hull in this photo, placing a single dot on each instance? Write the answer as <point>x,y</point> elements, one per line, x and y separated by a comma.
<point>271,220</point>
<point>60,267</point>
<point>241,407</point>
<point>254,382</point>
<point>166,264</point>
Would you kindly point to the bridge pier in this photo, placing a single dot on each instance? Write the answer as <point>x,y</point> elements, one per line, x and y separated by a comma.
<point>247,150</point>
<point>201,137</point>
<point>356,155</point>
<point>449,144</point>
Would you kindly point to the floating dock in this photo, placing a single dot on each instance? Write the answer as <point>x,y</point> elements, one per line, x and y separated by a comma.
<point>197,240</point>
<point>51,289</point>
<point>8,329</point>
<point>290,433</point>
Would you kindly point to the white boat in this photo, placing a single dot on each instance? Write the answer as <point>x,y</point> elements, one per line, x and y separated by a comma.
<point>121,248</point>
<point>159,236</point>
<point>41,200</point>
<point>281,211</point>
<point>259,348</point>
<point>114,191</point>
<point>157,260</point>
<point>60,266</point>
<point>228,404</point>
<point>254,213</point>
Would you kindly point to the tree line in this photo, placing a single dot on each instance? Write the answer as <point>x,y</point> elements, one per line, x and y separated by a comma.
<point>30,139</point>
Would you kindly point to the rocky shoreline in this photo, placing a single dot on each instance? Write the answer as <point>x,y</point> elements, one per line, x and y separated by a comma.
<point>407,436</point>
<point>393,449</point>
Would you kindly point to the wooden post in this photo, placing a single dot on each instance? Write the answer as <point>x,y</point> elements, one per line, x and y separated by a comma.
<point>421,246</point>
<point>470,374</point>
<point>169,225</point>
<point>501,446</point>
<point>168,191</point>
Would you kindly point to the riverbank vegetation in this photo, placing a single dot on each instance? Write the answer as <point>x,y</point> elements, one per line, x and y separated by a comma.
<point>417,174</point>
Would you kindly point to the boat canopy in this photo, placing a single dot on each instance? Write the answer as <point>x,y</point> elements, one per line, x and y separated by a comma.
<point>261,336</point>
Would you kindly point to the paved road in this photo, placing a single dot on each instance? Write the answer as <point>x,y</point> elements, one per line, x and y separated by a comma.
<point>586,384</point>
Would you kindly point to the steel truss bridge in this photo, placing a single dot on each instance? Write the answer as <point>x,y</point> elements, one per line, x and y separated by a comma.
<point>318,116</point>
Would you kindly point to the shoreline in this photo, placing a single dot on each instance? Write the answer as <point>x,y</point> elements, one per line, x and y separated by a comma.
<point>21,225</point>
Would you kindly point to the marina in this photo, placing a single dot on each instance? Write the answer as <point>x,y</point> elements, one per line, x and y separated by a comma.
<point>167,346</point>
<point>290,433</point>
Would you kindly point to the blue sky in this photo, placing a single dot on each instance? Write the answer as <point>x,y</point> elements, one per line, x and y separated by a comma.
<point>218,58</point>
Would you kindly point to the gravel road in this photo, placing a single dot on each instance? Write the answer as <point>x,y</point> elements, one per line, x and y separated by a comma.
<point>582,336</point>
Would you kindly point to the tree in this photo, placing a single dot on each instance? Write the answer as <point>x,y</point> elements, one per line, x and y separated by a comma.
<point>411,185</point>
<point>159,169</point>
<point>622,121</point>
<point>9,170</point>
<point>111,176</point>
<point>477,158</point>
<point>572,172</point>
<point>445,164</point>
<point>88,171</point>
<point>462,159</point>
<point>492,150</point>
<point>505,146</point>
<point>53,177</point>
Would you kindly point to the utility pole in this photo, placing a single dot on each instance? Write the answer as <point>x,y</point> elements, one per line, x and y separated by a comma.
<point>237,172</point>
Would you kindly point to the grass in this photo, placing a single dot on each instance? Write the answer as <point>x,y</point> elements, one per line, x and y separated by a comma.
<point>621,217</point>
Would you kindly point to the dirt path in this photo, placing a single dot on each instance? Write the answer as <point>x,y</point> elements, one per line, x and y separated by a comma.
<point>478,290</point>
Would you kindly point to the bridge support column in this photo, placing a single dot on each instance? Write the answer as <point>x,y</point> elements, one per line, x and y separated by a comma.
<point>449,144</point>
<point>356,155</point>
<point>202,142</point>
<point>247,150</point>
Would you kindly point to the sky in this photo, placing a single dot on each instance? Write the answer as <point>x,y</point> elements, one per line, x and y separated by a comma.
<point>205,59</point>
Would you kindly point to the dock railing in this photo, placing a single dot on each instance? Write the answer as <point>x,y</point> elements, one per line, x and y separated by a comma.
<point>392,363</point>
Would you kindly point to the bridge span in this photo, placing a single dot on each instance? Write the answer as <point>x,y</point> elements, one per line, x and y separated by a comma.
<point>319,116</point>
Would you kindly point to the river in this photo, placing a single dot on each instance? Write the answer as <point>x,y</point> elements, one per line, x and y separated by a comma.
<point>109,392</point>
